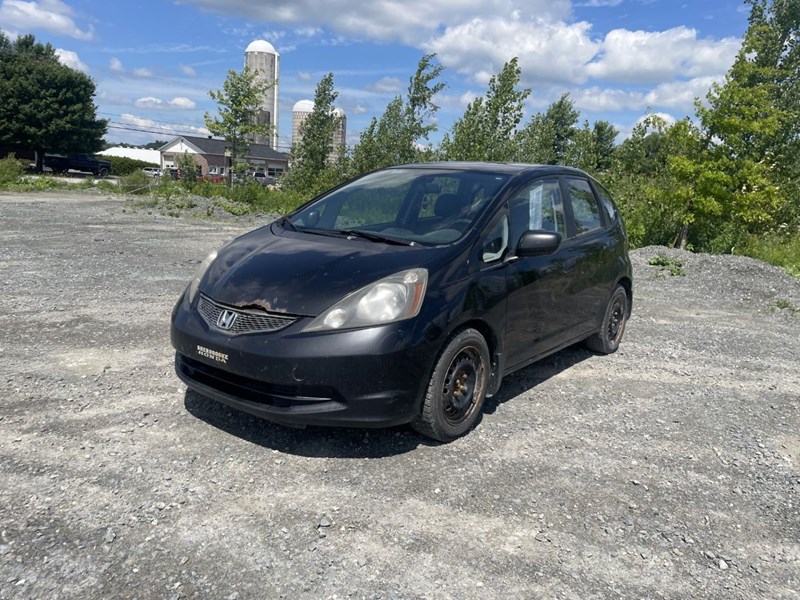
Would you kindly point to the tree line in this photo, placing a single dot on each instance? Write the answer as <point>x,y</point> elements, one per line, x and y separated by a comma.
<point>712,181</point>
<point>725,178</point>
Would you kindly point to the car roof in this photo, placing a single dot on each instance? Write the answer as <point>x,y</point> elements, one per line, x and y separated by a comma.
<point>491,167</point>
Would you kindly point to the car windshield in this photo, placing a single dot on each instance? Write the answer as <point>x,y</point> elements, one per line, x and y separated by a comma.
<point>425,205</point>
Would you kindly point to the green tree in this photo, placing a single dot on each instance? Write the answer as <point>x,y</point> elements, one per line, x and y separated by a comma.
<point>604,138</point>
<point>488,128</point>
<point>45,106</point>
<point>238,103</point>
<point>753,118</point>
<point>188,169</point>
<point>547,137</point>
<point>396,138</point>
<point>314,167</point>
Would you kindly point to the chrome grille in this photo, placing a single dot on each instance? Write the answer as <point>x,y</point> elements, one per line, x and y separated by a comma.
<point>247,321</point>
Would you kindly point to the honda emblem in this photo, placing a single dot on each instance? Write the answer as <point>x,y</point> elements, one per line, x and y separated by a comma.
<point>226,319</point>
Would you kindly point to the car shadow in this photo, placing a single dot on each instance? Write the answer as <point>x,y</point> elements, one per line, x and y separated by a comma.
<point>528,378</point>
<point>341,442</point>
<point>315,442</point>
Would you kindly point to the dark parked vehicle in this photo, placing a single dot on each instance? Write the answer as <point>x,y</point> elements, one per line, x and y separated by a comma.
<point>77,162</point>
<point>405,296</point>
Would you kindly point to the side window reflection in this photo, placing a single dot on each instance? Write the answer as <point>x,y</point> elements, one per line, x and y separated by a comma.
<point>537,206</point>
<point>584,206</point>
<point>496,241</point>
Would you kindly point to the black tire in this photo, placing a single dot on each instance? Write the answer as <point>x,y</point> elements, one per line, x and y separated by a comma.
<point>607,339</point>
<point>454,399</point>
<point>102,173</point>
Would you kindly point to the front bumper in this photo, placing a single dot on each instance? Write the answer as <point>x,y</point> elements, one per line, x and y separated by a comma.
<point>373,377</point>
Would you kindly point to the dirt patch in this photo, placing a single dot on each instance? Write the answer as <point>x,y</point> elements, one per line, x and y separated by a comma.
<point>669,469</point>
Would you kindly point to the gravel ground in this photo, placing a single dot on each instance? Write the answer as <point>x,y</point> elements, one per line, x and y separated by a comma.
<point>668,470</point>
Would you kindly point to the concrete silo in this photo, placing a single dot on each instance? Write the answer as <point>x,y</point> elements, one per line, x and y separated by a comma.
<point>303,109</point>
<point>300,112</point>
<point>261,58</point>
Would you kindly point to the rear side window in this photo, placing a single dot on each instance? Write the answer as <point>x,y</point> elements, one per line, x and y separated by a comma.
<point>606,201</point>
<point>585,207</point>
<point>537,206</point>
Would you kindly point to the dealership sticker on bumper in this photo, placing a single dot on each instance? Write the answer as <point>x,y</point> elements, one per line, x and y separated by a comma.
<point>212,354</point>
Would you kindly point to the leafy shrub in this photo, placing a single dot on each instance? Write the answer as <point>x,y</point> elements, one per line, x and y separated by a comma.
<point>135,183</point>
<point>10,170</point>
<point>671,265</point>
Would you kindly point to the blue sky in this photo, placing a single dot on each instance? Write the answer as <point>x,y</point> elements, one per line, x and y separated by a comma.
<point>154,62</point>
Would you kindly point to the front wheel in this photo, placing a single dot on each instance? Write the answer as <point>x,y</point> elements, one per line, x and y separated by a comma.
<point>454,398</point>
<point>102,173</point>
<point>607,339</point>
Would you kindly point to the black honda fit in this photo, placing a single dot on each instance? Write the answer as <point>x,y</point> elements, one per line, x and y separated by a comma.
<point>405,296</point>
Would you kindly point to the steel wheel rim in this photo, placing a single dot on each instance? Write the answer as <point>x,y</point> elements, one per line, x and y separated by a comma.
<point>616,323</point>
<point>462,384</point>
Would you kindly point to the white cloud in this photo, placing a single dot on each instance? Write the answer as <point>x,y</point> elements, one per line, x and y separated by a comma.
<point>188,71</point>
<point>115,65</point>
<point>652,57</point>
<point>548,52</point>
<point>149,102</point>
<point>308,32</point>
<point>179,102</point>
<point>680,94</point>
<point>674,95</point>
<point>71,59</point>
<point>142,72</point>
<point>387,85</point>
<point>161,128</point>
<point>595,99</point>
<point>409,21</point>
<point>53,16</point>
<point>599,3</point>
<point>130,119</point>
<point>183,103</point>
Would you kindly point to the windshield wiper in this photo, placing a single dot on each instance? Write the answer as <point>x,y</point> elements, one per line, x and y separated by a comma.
<point>375,237</point>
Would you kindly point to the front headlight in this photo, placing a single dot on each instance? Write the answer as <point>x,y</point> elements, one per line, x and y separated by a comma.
<point>201,270</point>
<point>390,299</point>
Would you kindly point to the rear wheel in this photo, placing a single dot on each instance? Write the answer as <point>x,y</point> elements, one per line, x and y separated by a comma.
<point>607,339</point>
<point>457,389</point>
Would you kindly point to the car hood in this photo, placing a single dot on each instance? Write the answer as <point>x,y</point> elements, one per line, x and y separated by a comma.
<point>302,273</point>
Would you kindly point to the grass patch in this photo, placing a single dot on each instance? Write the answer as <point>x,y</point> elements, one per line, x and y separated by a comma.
<point>783,304</point>
<point>781,249</point>
<point>667,265</point>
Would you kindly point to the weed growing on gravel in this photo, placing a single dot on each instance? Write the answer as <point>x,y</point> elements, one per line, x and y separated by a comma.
<point>233,207</point>
<point>135,183</point>
<point>38,184</point>
<point>784,304</point>
<point>670,265</point>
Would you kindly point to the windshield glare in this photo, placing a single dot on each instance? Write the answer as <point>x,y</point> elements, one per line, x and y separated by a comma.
<point>418,205</point>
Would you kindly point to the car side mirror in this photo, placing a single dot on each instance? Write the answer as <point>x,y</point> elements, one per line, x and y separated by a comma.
<point>538,243</point>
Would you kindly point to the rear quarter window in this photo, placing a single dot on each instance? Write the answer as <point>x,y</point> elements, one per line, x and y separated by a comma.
<point>585,208</point>
<point>606,201</point>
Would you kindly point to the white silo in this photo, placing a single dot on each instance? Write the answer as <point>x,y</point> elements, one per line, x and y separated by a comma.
<point>261,58</point>
<point>300,112</point>
<point>302,109</point>
<point>340,133</point>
